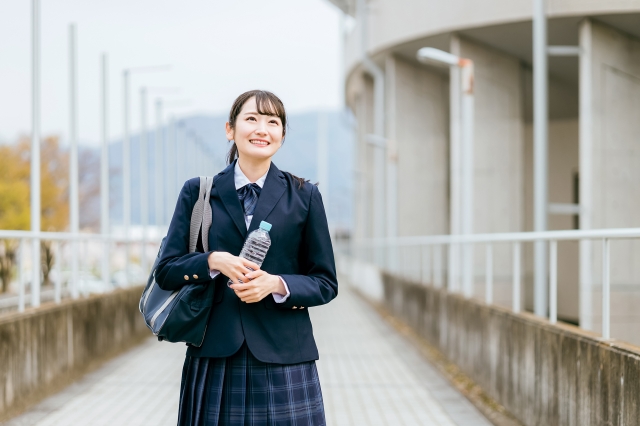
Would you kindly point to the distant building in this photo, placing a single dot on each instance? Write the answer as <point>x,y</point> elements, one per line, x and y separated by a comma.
<point>594,131</point>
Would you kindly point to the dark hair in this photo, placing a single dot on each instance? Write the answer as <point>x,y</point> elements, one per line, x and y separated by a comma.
<point>267,104</point>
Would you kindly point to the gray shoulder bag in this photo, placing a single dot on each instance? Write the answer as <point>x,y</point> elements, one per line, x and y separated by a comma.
<point>182,315</point>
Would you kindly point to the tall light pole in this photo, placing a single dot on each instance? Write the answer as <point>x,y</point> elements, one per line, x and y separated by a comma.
<point>126,172</point>
<point>158,166</point>
<point>172,178</point>
<point>74,212</point>
<point>429,54</point>
<point>144,177</point>
<point>540,153</point>
<point>35,151</point>
<point>104,174</point>
<point>126,157</point>
<point>323,158</point>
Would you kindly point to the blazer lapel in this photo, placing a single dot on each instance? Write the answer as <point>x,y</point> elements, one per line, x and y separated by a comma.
<point>273,188</point>
<point>227,189</point>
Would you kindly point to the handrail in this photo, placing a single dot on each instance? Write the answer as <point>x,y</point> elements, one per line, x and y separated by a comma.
<point>589,234</point>
<point>67,236</point>
<point>431,246</point>
<point>59,238</point>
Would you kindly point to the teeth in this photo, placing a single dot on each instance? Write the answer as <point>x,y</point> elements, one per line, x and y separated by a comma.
<point>259,143</point>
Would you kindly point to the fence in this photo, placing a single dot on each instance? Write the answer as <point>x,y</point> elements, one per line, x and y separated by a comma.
<point>79,280</point>
<point>423,259</point>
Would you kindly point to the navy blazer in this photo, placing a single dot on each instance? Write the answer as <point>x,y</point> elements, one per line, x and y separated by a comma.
<point>300,252</point>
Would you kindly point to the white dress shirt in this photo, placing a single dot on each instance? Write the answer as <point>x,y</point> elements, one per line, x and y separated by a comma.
<point>241,180</point>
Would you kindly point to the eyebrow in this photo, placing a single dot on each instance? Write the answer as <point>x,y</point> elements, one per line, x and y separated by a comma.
<point>257,113</point>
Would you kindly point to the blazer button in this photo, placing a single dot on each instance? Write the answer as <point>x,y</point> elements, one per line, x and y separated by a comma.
<point>186,277</point>
<point>195,277</point>
<point>295,307</point>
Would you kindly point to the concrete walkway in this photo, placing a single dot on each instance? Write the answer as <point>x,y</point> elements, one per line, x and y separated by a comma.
<point>369,375</point>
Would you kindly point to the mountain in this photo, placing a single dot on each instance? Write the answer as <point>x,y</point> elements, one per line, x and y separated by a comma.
<point>298,155</point>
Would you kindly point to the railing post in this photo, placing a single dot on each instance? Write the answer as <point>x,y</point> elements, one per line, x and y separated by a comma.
<point>57,285</point>
<point>606,289</point>
<point>437,266</point>
<point>426,262</point>
<point>553,282</point>
<point>36,271</point>
<point>21,283</point>
<point>468,269</point>
<point>488,290</point>
<point>453,267</point>
<point>516,278</point>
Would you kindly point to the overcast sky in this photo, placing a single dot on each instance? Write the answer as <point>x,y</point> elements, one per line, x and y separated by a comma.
<point>217,49</point>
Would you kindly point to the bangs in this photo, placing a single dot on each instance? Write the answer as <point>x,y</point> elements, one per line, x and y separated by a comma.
<point>269,104</point>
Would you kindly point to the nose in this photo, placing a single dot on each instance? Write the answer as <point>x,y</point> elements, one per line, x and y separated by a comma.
<point>260,129</point>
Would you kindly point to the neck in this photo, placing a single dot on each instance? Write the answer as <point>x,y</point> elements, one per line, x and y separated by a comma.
<point>254,169</point>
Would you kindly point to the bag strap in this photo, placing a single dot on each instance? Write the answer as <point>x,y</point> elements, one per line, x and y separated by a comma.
<point>201,215</point>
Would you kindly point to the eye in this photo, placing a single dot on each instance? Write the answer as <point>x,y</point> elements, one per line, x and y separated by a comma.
<point>274,122</point>
<point>251,118</point>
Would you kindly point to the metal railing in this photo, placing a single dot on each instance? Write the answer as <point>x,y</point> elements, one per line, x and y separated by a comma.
<point>81,275</point>
<point>422,258</point>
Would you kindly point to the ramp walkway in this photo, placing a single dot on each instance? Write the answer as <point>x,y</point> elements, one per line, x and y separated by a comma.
<point>370,376</point>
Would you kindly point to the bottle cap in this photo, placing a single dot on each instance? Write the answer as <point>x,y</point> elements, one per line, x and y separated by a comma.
<point>265,225</point>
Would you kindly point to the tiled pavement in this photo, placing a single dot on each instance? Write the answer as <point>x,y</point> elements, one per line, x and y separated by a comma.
<point>369,374</point>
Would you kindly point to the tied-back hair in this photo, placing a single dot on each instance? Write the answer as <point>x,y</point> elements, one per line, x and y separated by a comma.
<point>267,104</point>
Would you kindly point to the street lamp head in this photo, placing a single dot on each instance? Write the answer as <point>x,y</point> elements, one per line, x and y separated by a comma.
<point>431,55</point>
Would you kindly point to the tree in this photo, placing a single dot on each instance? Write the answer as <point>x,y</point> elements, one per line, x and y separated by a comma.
<point>15,173</point>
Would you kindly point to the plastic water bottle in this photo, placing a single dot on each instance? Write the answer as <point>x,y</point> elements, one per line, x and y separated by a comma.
<point>256,246</point>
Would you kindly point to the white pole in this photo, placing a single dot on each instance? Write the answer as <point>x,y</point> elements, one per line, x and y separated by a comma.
<point>144,177</point>
<point>176,165</point>
<point>606,289</point>
<point>586,109</point>
<point>73,162</point>
<point>323,158</point>
<point>181,148</point>
<point>540,134</point>
<point>35,153</point>
<point>468,171</point>
<point>553,282</point>
<point>158,165</point>
<point>126,175</point>
<point>104,175</point>
<point>21,278</point>
<point>488,291</point>
<point>379,171</point>
<point>57,292</point>
<point>391,184</point>
<point>515,292</point>
<point>455,118</point>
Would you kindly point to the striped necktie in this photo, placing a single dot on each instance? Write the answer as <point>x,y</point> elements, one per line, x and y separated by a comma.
<point>248,196</point>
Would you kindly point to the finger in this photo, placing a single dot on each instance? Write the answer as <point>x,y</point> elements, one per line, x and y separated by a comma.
<point>241,287</point>
<point>254,274</point>
<point>249,264</point>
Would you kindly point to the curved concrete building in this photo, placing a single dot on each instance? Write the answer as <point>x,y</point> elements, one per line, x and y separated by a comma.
<point>408,123</point>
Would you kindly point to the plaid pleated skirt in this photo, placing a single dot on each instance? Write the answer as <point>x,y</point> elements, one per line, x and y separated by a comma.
<point>243,391</point>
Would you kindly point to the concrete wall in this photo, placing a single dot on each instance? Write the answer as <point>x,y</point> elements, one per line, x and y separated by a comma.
<point>44,349</point>
<point>421,131</point>
<point>498,158</point>
<point>615,152</point>
<point>543,374</point>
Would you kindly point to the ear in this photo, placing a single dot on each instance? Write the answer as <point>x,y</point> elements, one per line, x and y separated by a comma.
<point>229,131</point>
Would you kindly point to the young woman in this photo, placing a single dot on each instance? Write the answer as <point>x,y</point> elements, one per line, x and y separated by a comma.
<point>256,365</point>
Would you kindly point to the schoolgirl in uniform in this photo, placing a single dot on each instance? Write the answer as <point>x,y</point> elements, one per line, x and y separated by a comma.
<point>256,365</point>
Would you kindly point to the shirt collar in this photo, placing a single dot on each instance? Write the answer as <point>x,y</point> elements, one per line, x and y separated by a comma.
<point>241,180</point>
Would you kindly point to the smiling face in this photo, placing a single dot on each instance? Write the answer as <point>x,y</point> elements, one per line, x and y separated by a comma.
<point>257,136</point>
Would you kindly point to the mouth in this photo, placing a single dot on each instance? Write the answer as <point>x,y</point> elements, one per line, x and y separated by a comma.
<point>259,142</point>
